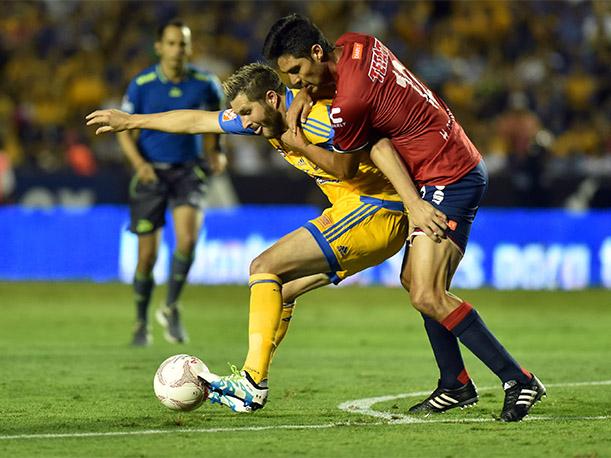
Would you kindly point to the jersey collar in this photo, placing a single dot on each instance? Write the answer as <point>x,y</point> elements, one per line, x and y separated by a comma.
<point>164,79</point>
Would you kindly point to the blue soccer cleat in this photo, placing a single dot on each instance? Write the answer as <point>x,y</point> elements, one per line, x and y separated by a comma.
<point>235,388</point>
<point>237,405</point>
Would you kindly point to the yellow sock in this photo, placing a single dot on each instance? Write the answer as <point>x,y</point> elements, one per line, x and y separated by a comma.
<point>264,316</point>
<point>283,325</point>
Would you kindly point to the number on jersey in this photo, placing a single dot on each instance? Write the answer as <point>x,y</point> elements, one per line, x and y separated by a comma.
<point>404,77</point>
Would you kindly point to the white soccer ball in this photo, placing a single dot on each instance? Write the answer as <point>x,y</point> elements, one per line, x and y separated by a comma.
<point>176,384</point>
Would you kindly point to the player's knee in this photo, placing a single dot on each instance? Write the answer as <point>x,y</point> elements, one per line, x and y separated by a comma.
<point>262,264</point>
<point>186,245</point>
<point>427,301</point>
<point>146,262</point>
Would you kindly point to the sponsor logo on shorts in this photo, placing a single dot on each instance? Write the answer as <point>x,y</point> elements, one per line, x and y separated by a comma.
<point>452,224</point>
<point>342,249</point>
<point>357,51</point>
<point>438,195</point>
<point>144,225</point>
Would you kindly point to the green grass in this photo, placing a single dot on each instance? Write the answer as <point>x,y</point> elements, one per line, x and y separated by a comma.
<point>66,367</point>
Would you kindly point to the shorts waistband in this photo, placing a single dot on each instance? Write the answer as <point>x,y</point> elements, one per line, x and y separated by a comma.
<point>388,204</point>
<point>171,165</point>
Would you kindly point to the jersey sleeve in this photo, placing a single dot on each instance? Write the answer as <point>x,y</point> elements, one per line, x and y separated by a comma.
<point>231,123</point>
<point>350,119</point>
<point>131,99</point>
<point>318,129</point>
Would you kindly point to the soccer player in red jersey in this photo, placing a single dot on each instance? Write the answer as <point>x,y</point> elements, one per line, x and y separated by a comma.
<point>376,97</point>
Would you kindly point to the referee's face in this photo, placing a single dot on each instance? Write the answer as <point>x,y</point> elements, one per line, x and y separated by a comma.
<point>174,48</point>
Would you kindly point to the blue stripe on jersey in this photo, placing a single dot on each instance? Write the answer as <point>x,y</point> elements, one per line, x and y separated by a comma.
<point>366,215</point>
<point>321,124</point>
<point>346,220</point>
<point>231,123</point>
<point>324,246</point>
<point>316,130</point>
<point>395,205</point>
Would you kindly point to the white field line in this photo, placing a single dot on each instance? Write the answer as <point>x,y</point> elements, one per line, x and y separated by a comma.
<point>364,406</point>
<point>359,406</point>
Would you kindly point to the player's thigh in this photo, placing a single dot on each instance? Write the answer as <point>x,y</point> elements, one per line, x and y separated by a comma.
<point>430,266</point>
<point>366,236</point>
<point>295,255</point>
<point>187,223</point>
<point>148,244</point>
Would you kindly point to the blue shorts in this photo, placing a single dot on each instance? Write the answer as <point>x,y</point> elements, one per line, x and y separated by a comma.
<point>459,201</point>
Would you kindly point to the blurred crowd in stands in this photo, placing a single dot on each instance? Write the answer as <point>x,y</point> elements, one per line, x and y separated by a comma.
<point>529,80</point>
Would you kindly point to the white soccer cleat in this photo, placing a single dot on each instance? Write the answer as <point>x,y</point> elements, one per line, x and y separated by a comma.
<point>235,388</point>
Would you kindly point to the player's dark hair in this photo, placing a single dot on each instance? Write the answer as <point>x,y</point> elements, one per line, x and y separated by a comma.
<point>293,35</point>
<point>171,23</point>
<point>253,80</point>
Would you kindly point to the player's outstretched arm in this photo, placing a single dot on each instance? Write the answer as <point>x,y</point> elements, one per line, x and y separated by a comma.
<point>421,213</point>
<point>175,121</point>
<point>342,166</point>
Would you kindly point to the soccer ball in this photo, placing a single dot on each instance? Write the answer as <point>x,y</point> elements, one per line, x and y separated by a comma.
<point>176,384</point>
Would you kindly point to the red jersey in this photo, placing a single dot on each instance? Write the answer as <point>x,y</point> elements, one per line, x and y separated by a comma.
<point>378,97</point>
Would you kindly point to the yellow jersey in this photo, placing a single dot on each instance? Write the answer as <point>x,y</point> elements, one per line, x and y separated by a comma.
<point>369,180</point>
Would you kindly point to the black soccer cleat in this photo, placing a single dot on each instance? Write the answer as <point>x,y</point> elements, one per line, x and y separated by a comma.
<point>169,318</point>
<point>443,399</point>
<point>142,335</point>
<point>520,397</point>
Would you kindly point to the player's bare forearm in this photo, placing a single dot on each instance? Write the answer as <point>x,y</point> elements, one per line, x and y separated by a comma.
<point>422,213</point>
<point>175,121</point>
<point>144,170</point>
<point>217,160</point>
<point>342,166</point>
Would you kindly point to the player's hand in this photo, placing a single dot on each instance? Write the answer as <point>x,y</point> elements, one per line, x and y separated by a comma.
<point>108,120</point>
<point>217,162</point>
<point>295,141</point>
<point>146,173</point>
<point>430,220</point>
<point>299,110</point>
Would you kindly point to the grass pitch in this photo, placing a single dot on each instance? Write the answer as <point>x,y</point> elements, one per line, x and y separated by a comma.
<point>71,386</point>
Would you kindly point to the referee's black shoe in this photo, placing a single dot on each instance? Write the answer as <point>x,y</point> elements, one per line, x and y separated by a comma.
<point>443,399</point>
<point>520,397</point>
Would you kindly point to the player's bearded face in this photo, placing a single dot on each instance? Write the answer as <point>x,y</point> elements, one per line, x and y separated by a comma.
<point>273,125</point>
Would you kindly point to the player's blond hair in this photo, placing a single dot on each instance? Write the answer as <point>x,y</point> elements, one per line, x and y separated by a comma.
<point>253,80</point>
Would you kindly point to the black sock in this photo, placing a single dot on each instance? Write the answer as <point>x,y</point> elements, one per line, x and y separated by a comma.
<point>466,324</point>
<point>143,287</point>
<point>178,275</point>
<point>452,372</point>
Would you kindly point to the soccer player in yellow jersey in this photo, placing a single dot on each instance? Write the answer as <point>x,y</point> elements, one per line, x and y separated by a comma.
<point>365,224</point>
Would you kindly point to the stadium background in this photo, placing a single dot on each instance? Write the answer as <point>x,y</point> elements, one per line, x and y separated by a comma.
<point>528,81</point>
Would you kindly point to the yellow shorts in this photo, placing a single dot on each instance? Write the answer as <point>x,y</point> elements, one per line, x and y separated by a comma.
<point>359,232</point>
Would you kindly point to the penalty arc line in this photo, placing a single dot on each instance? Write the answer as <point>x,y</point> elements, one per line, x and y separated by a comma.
<point>358,406</point>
